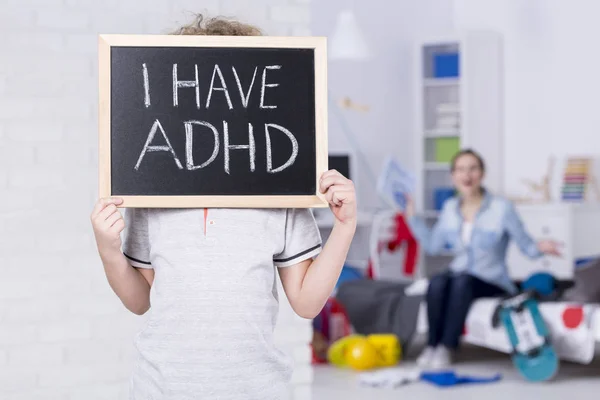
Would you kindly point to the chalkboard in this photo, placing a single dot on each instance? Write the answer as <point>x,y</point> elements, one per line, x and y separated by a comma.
<point>211,121</point>
<point>341,163</point>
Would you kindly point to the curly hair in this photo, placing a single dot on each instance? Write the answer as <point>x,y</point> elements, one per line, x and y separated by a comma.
<point>217,26</point>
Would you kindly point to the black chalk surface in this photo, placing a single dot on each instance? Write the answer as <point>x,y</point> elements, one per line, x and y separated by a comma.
<point>341,163</point>
<point>204,121</point>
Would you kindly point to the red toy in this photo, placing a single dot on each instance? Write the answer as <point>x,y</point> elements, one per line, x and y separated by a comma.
<point>403,234</point>
<point>330,325</point>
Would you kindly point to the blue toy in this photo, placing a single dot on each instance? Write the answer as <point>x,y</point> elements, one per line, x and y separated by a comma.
<point>348,274</point>
<point>542,283</point>
<point>449,378</point>
<point>533,354</point>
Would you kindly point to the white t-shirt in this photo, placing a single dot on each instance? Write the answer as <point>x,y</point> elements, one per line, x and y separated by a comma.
<point>466,232</point>
<point>214,299</point>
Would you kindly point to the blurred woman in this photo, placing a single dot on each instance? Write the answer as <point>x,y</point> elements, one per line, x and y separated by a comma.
<point>477,226</point>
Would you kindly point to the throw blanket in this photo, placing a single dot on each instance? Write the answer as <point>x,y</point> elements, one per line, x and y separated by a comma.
<point>380,307</point>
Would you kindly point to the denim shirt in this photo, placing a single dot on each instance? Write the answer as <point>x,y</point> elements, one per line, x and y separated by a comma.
<point>496,222</point>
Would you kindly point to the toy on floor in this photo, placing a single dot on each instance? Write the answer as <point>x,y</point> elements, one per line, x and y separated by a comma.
<point>331,324</point>
<point>546,286</point>
<point>533,354</point>
<point>365,352</point>
<point>541,283</point>
<point>389,350</point>
<point>389,377</point>
<point>449,378</point>
<point>319,345</point>
<point>361,355</point>
<point>336,354</point>
<point>395,377</point>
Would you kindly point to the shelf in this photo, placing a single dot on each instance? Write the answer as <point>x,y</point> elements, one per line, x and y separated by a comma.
<point>441,82</point>
<point>456,108</point>
<point>448,108</point>
<point>437,166</point>
<point>437,133</point>
<point>430,214</point>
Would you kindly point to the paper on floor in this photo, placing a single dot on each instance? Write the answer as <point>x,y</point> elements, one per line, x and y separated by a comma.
<point>390,377</point>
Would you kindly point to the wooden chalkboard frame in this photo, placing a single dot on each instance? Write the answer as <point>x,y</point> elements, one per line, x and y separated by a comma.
<point>318,44</point>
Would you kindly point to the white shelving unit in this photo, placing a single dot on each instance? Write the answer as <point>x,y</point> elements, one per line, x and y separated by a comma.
<point>441,82</point>
<point>466,109</point>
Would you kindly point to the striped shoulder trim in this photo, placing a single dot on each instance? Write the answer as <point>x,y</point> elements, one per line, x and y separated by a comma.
<point>136,260</point>
<point>281,260</point>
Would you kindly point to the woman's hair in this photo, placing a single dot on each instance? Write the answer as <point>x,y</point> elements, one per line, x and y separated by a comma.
<point>217,26</point>
<point>469,152</point>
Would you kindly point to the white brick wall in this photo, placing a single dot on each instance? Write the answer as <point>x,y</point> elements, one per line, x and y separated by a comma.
<point>63,333</point>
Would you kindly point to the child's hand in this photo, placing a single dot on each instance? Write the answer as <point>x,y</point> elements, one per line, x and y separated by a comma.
<point>108,224</point>
<point>339,192</point>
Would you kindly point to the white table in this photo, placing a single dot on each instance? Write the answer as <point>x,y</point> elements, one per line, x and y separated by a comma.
<point>577,226</point>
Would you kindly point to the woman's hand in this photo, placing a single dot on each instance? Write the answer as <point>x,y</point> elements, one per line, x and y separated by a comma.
<point>409,209</point>
<point>550,247</point>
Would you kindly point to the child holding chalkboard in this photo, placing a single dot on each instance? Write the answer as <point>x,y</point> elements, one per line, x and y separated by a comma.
<point>210,278</point>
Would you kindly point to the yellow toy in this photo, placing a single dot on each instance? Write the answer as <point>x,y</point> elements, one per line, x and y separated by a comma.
<point>365,352</point>
<point>362,355</point>
<point>336,354</point>
<point>388,349</point>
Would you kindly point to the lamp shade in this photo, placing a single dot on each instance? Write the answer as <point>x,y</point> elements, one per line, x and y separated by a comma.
<point>347,41</point>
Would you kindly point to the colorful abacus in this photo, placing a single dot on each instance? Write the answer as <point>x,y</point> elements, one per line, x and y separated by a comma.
<point>576,179</point>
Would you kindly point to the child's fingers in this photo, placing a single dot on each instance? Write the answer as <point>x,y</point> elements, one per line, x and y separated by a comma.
<point>338,198</point>
<point>118,226</point>
<point>329,173</point>
<point>99,206</point>
<point>331,180</point>
<point>336,188</point>
<point>343,196</point>
<point>348,187</point>
<point>329,196</point>
<point>337,195</point>
<point>102,203</point>
<point>113,218</point>
<point>106,213</point>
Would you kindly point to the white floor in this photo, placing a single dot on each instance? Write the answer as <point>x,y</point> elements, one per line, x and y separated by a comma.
<point>335,384</point>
